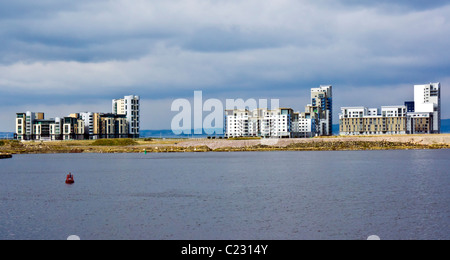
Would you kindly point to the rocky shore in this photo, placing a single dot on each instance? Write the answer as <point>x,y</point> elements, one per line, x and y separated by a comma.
<point>333,143</point>
<point>223,145</point>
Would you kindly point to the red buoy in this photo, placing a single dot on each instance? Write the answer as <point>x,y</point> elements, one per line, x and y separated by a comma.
<point>69,179</point>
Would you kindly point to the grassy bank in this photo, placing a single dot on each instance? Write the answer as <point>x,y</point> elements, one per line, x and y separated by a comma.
<point>203,145</point>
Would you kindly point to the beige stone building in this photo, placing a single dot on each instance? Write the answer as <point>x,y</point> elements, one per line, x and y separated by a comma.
<point>364,121</point>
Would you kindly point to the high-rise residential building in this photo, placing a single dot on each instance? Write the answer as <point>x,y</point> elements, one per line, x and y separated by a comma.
<point>129,106</point>
<point>88,118</point>
<point>321,110</point>
<point>427,99</point>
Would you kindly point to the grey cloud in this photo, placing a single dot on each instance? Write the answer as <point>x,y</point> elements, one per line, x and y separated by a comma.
<point>52,52</point>
<point>26,9</point>
<point>405,4</point>
<point>222,40</point>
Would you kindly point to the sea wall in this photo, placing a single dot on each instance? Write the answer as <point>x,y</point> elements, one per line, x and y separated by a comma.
<point>414,140</point>
<point>223,145</point>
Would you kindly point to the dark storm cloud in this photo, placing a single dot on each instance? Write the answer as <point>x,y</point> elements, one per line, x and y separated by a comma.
<point>56,51</point>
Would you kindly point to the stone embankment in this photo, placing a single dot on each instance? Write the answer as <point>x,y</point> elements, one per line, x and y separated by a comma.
<point>224,145</point>
<point>331,143</point>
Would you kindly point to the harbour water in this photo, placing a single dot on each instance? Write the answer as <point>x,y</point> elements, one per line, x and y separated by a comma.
<point>196,196</point>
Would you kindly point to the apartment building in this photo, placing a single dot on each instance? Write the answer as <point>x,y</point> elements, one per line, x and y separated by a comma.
<point>371,121</point>
<point>321,110</point>
<point>421,116</point>
<point>427,103</point>
<point>73,128</point>
<point>303,127</point>
<point>88,118</point>
<point>25,124</point>
<point>129,106</point>
<point>277,123</point>
<point>266,123</point>
<point>317,120</point>
<point>113,126</point>
<point>420,123</point>
<point>124,122</point>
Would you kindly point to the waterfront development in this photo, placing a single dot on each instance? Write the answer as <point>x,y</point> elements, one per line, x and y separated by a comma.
<point>259,195</point>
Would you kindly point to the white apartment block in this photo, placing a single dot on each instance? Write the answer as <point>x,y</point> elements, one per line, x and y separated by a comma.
<point>303,127</point>
<point>88,118</point>
<point>237,124</point>
<point>427,99</point>
<point>56,129</point>
<point>279,123</point>
<point>130,107</point>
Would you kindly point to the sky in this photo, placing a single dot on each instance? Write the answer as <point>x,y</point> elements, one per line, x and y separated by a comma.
<point>65,56</point>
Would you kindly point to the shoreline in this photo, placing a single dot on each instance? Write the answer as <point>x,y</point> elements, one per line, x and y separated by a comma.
<point>404,142</point>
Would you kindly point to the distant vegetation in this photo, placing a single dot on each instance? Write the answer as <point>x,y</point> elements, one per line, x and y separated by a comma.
<point>2,143</point>
<point>114,142</point>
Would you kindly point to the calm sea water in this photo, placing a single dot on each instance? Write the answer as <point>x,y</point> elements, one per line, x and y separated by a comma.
<point>270,195</point>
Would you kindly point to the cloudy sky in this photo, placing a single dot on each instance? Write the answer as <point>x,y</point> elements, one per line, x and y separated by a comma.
<point>63,56</point>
